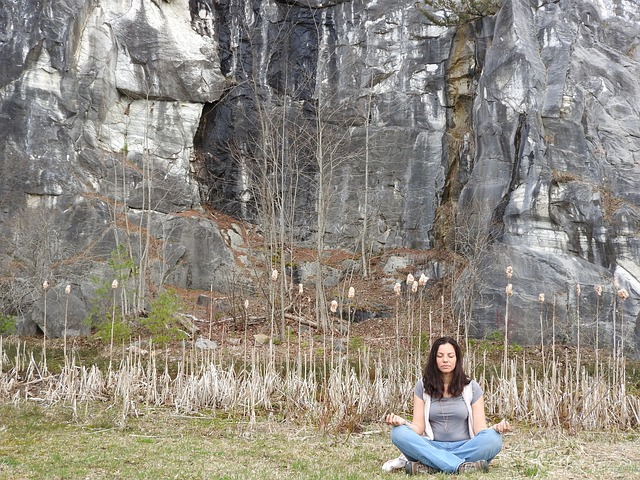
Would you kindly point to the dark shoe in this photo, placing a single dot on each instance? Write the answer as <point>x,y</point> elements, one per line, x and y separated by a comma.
<point>479,466</point>
<point>415,468</point>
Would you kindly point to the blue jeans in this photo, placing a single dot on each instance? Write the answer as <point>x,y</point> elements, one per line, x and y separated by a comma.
<point>446,456</point>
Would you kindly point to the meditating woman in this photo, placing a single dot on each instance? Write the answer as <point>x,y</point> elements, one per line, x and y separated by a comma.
<point>449,430</point>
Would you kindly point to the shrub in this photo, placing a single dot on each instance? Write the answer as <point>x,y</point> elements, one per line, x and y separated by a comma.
<point>457,12</point>
<point>107,307</point>
<point>356,343</point>
<point>7,324</point>
<point>161,321</point>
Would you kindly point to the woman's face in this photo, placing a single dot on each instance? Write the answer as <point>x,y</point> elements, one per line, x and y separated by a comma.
<point>446,358</point>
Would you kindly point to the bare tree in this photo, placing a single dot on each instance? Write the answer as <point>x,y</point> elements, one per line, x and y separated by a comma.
<point>294,142</point>
<point>471,244</point>
<point>36,252</point>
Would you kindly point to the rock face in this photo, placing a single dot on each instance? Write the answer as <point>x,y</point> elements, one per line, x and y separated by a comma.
<point>60,311</point>
<point>555,169</point>
<point>99,107</point>
<point>513,141</point>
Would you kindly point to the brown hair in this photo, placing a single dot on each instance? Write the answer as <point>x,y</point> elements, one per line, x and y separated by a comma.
<point>432,377</point>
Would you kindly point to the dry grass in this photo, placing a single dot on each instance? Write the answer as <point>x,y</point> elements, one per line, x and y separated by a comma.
<point>325,390</point>
<point>548,453</point>
<point>46,443</point>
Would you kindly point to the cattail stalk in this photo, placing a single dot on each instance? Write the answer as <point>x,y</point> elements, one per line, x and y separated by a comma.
<point>422,282</point>
<point>414,290</point>
<point>598,290</point>
<point>246,328</point>
<point>442,315</point>
<point>45,286</point>
<point>553,331</point>
<point>578,331</point>
<point>334,308</point>
<point>622,294</point>
<point>210,303</point>
<point>541,300</point>
<point>615,313</point>
<point>272,294</point>
<point>430,325</point>
<point>114,286</point>
<point>67,291</point>
<point>397,290</point>
<point>351,295</point>
<point>508,292</point>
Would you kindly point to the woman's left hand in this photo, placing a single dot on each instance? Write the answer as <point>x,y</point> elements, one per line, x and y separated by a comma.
<point>502,427</point>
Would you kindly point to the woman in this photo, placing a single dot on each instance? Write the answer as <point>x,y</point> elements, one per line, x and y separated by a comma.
<point>449,430</point>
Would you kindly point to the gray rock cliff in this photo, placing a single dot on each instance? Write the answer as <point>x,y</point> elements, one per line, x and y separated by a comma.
<point>513,141</point>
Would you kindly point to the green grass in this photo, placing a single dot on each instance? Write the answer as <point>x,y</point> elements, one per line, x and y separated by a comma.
<point>46,443</point>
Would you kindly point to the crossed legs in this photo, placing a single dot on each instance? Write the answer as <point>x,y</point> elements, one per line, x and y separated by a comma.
<point>446,456</point>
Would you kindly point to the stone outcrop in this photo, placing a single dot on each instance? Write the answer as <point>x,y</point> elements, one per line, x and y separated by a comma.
<point>512,140</point>
<point>554,171</point>
<point>99,108</point>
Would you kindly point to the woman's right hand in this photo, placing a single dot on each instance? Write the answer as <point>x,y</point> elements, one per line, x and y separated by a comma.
<point>395,420</point>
